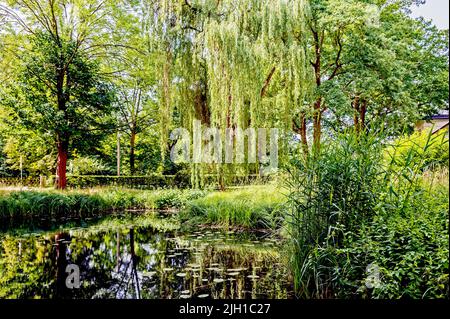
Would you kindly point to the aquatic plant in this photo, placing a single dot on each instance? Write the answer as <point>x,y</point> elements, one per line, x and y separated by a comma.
<point>249,207</point>
<point>352,210</point>
<point>36,207</point>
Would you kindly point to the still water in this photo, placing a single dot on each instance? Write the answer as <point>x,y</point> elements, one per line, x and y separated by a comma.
<point>141,257</point>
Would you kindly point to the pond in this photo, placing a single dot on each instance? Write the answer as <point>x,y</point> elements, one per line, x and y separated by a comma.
<point>141,257</point>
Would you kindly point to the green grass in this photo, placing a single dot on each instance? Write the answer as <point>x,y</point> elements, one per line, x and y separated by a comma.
<point>258,207</point>
<point>358,206</point>
<point>22,207</point>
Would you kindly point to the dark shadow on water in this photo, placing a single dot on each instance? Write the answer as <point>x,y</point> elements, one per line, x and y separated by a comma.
<point>138,258</point>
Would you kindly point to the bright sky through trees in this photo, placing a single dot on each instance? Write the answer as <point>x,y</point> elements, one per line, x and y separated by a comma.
<point>436,10</point>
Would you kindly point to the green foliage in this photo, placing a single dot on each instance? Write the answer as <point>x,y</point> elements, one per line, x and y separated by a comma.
<point>257,207</point>
<point>397,65</point>
<point>229,63</point>
<point>141,182</point>
<point>177,199</point>
<point>87,165</point>
<point>43,208</point>
<point>410,250</point>
<point>352,208</point>
<point>431,149</point>
<point>39,108</point>
<point>37,152</point>
<point>331,193</point>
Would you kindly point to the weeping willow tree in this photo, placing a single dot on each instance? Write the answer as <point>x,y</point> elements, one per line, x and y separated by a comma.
<point>230,64</point>
<point>258,75</point>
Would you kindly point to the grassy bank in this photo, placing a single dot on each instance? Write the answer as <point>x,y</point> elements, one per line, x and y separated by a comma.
<point>37,207</point>
<point>370,221</point>
<point>256,207</point>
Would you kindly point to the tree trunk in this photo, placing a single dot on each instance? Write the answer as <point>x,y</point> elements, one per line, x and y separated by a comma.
<point>317,116</point>
<point>61,179</point>
<point>317,124</point>
<point>267,82</point>
<point>359,117</point>
<point>356,114</point>
<point>362,115</point>
<point>132,154</point>
<point>301,130</point>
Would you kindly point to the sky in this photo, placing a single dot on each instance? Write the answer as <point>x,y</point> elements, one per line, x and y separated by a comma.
<point>436,10</point>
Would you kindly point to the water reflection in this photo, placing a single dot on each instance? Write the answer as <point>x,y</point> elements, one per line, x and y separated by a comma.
<point>138,261</point>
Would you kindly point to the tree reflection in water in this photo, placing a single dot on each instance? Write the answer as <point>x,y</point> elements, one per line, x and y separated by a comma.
<point>138,261</point>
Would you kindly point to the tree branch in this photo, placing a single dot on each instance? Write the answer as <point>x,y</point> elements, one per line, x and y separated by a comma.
<point>267,82</point>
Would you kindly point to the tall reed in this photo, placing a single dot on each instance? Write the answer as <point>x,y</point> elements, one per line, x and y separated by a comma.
<point>336,195</point>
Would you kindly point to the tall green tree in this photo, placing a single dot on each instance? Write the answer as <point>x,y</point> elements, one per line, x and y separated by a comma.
<point>374,64</point>
<point>58,88</point>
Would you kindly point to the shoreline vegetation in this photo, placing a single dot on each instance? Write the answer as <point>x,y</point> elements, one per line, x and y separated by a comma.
<point>318,125</point>
<point>243,207</point>
<point>357,207</point>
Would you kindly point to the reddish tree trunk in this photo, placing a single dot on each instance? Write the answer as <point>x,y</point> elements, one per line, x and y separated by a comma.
<point>61,179</point>
<point>317,124</point>
<point>356,114</point>
<point>301,130</point>
<point>362,114</point>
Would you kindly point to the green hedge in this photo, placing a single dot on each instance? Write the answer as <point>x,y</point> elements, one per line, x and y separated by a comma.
<point>155,181</point>
<point>139,182</point>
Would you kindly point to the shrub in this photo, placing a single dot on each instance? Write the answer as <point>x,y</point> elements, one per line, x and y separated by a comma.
<point>431,150</point>
<point>154,181</point>
<point>87,165</point>
<point>351,207</point>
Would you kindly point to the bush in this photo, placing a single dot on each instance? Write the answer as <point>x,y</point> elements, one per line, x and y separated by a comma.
<point>353,206</point>
<point>432,150</point>
<point>409,250</point>
<point>87,165</point>
<point>140,182</point>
